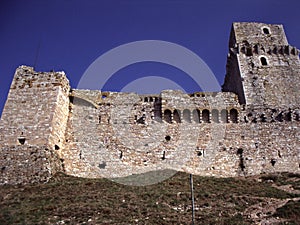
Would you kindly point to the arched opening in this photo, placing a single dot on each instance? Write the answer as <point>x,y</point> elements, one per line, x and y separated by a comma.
<point>215,115</point>
<point>224,116</point>
<point>288,116</point>
<point>187,115</point>
<point>168,116</point>
<point>150,99</point>
<point>176,116</point>
<point>196,115</point>
<point>205,116</point>
<point>145,99</point>
<point>266,30</point>
<point>263,61</point>
<point>234,115</point>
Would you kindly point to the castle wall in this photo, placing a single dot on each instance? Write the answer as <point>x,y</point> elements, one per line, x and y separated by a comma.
<point>250,128</point>
<point>111,141</point>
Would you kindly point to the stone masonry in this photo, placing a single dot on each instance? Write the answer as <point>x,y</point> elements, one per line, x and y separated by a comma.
<point>249,128</point>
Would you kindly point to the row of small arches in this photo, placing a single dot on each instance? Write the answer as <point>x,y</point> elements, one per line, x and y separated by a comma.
<point>250,50</point>
<point>201,116</point>
<point>151,99</point>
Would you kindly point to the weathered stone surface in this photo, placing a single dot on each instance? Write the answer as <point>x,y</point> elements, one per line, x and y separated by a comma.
<point>251,127</point>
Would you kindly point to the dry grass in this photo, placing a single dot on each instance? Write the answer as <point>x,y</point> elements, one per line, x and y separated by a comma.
<point>69,200</point>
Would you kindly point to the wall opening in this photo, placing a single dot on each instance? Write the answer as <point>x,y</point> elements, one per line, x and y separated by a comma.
<point>168,138</point>
<point>196,115</point>
<point>205,116</point>
<point>263,61</point>
<point>102,165</point>
<point>56,147</point>
<point>168,116</point>
<point>266,30</point>
<point>22,140</point>
<point>187,115</point>
<point>163,156</point>
<point>224,116</point>
<point>279,117</point>
<point>145,99</point>
<point>241,163</point>
<point>234,115</point>
<point>273,161</point>
<point>288,116</point>
<point>176,116</point>
<point>215,115</point>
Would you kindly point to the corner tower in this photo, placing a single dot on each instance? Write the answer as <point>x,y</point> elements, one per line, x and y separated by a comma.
<point>262,68</point>
<point>32,126</point>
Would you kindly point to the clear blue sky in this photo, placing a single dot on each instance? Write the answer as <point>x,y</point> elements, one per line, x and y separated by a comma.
<point>69,35</point>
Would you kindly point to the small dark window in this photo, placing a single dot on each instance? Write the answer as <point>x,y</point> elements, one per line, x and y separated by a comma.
<point>102,165</point>
<point>205,116</point>
<point>164,155</point>
<point>22,141</point>
<point>273,161</point>
<point>266,30</point>
<point>263,61</point>
<point>56,147</point>
<point>168,138</point>
<point>234,115</point>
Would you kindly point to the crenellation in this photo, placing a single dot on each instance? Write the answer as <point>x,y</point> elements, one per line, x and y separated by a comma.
<point>251,127</point>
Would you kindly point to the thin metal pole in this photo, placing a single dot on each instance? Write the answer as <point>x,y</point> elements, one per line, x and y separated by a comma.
<point>193,200</point>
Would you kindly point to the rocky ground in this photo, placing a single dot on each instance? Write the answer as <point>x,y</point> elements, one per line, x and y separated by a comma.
<point>265,199</point>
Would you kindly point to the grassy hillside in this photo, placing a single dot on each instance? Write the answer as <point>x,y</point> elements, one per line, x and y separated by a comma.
<point>68,200</point>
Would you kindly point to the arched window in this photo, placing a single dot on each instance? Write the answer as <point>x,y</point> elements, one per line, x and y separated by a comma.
<point>266,30</point>
<point>224,116</point>
<point>168,116</point>
<point>187,115</point>
<point>205,116</point>
<point>145,99</point>
<point>176,116</point>
<point>196,115</point>
<point>263,61</point>
<point>234,115</point>
<point>215,115</point>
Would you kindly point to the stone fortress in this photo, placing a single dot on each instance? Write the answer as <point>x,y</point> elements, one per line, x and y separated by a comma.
<point>251,127</point>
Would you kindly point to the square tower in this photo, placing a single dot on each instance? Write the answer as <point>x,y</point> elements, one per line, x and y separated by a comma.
<point>262,68</point>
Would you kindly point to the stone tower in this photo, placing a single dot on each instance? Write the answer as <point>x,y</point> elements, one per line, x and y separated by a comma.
<point>32,126</point>
<point>262,68</point>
